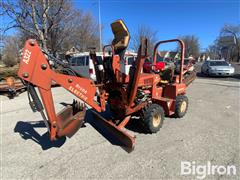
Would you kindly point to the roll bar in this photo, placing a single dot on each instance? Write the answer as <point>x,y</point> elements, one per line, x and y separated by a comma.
<point>182,45</point>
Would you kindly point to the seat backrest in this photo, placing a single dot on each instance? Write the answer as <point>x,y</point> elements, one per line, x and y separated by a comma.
<point>121,35</point>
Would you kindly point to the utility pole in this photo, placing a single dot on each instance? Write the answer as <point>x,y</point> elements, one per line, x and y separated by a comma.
<point>99,24</point>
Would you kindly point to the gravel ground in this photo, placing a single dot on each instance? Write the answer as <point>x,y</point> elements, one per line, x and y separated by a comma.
<point>208,132</point>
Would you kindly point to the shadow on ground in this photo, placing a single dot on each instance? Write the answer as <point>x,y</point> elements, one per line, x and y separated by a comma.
<point>236,76</point>
<point>233,77</point>
<point>97,125</point>
<point>27,131</point>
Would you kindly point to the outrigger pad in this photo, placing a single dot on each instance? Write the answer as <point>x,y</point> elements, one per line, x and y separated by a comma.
<point>126,140</point>
<point>69,123</point>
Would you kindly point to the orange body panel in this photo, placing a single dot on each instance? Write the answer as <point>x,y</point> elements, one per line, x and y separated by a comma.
<point>34,68</point>
<point>171,91</point>
<point>146,79</point>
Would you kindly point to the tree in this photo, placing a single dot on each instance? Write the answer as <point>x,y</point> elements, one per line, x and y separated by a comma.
<point>227,44</point>
<point>213,52</point>
<point>229,40</point>
<point>84,34</point>
<point>147,32</point>
<point>1,53</point>
<point>52,22</point>
<point>0,57</point>
<point>11,51</point>
<point>192,46</point>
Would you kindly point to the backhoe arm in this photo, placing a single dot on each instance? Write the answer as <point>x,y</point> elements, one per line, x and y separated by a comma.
<point>34,68</point>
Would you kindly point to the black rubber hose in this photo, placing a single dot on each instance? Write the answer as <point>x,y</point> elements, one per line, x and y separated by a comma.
<point>36,100</point>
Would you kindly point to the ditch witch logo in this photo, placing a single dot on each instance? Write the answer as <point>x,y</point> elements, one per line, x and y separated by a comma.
<point>202,171</point>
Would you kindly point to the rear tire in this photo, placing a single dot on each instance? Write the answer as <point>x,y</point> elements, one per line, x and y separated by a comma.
<point>181,106</point>
<point>153,117</point>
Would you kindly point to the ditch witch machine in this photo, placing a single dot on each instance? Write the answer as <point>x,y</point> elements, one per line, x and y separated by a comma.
<point>144,95</point>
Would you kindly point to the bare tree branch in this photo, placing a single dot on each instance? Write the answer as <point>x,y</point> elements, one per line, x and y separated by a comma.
<point>192,46</point>
<point>55,23</point>
<point>147,32</point>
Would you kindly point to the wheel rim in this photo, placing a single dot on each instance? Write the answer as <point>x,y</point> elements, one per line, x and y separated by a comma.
<point>183,106</point>
<point>156,120</point>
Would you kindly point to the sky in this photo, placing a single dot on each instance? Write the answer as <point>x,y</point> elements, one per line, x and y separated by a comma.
<point>170,19</point>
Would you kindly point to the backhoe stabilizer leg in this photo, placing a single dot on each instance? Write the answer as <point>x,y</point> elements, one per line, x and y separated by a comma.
<point>126,139</point>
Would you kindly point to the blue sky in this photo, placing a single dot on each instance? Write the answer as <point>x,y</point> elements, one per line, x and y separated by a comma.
<point>169,18</point>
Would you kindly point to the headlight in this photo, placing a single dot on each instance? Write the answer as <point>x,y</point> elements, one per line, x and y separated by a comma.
<point>232,70</point>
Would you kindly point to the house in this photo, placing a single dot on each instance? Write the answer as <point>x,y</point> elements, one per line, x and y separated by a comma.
<point>72,51</point>
<point>169,55</point>
<point>203,57</point>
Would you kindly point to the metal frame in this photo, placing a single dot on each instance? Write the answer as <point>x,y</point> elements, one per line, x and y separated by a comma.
<point>182,54</point>
<point>34,69</point>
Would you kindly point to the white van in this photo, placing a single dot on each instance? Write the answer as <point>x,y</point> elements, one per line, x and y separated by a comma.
<point>83,65</point>
<point>129,58</point>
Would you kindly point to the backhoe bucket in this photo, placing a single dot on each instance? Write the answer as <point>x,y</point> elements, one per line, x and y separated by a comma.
<point>126,140</point>
<point>68,122</point>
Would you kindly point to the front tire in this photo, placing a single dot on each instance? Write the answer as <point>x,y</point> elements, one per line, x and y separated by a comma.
<point>153,118</point>
<point>181,106</point>
<point>207,72</point>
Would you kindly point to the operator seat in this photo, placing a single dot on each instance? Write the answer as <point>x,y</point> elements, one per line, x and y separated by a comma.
<point>120,44</point>
<point>121,37</point>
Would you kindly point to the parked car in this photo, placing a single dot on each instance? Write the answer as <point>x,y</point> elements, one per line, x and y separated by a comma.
<point>217,68</point>
<point>188,65</point>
